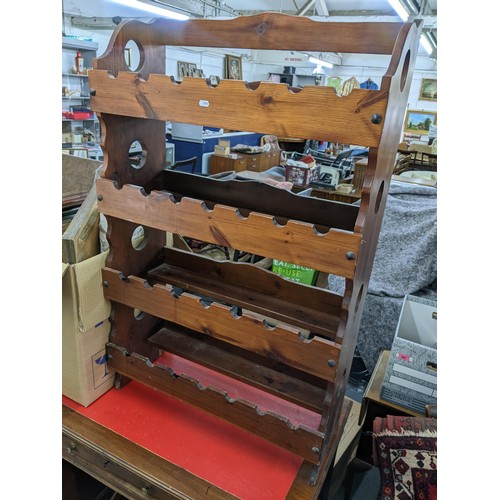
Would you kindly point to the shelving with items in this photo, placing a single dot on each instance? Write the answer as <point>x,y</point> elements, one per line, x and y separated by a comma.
<point>291,343</point>
<point>80,126</point>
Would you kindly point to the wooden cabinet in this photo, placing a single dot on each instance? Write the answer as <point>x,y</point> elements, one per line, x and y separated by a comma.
<point>269,160</point>
<point>253,162</point>
<point>220,164</point>
<point>258,162</point>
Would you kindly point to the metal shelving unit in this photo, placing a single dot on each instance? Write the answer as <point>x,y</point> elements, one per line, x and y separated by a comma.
<point>78,136</point>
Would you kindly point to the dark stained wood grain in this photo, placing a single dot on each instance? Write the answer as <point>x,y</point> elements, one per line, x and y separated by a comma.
<point>117,135</point>
<point>260,197</point>
<point>373,199</point>
<point>267,31</point>
<point>260,234</point>
<point>273,427</point>
<point>123,255</point>
<point>211,353</point>
<point>250,287</point>
<point>147,98</point>
<point>304,488</point>
<point>248,331</point>
<point>132,328</point>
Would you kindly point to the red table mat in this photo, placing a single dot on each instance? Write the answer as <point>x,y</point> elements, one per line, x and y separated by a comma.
<point>230,458</point>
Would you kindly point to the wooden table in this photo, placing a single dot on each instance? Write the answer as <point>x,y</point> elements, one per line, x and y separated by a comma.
<point>99,447</point>
<point>373,406</point>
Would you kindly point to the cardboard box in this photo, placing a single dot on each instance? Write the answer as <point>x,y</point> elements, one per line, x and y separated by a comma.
<point>294,272</point>
<point>85,331</point>
<point>223,148</point>
<point>351,430</point>
<point>78,175</point>
<point>410,379</point>
<point>301,176</point>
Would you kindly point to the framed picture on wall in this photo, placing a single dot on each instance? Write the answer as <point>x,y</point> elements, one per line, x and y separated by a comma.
<point>233,68</point>
<point>181,68</point>
<point>419,121</point>
<point>185,69</point>
<point>428,90</point>
<point>214,80</point>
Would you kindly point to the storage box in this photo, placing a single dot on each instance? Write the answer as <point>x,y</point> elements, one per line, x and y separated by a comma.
<point>301,176</point>
<point>294,272</point>
<point>223,148</point>
<point>85,331</point>
<point>78,115</point>
<point>410,379</point>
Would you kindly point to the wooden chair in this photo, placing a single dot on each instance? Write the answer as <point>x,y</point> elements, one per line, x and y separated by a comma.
<point>429,161</point>
<point>402,164</point>
<point>182,163</point>
<point>423,158</point>
<point>410,157</point>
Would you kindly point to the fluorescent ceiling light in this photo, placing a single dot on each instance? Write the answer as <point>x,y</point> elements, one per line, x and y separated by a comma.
<point>400,10</point>
<point>319,62</point>
<point>159,11</point>
<point>425,44</point>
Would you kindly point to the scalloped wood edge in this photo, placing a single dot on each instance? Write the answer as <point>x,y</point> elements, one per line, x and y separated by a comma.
<point>260,109</point>
<point>297,242</point>
<point>282,343</point>
<point>300,439</point>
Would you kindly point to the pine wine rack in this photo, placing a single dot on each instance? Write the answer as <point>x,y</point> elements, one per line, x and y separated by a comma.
<point>291,343</point>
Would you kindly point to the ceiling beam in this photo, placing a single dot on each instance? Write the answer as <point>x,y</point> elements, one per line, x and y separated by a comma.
<point>321,8</point>
<point>305,7</point>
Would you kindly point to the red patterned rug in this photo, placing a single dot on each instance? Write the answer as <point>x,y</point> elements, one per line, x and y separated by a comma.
<point>405,451</point>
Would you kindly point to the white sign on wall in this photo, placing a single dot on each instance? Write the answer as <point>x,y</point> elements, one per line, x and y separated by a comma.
<point>283,57</point>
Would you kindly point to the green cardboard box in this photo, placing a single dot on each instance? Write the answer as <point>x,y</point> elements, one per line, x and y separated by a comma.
<point>294,272</point>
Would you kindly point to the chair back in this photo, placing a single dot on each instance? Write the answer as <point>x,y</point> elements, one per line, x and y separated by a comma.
<point>182,163</point>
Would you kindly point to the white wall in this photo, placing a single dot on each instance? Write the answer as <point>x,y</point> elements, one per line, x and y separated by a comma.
<point>361,67</point>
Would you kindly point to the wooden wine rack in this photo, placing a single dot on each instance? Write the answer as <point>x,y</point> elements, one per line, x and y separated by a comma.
<point>290,341</point>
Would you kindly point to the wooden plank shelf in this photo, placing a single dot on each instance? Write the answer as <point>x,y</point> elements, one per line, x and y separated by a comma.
<point>260,108</point>
<point>299,439</point>
<point>250,287</point>
<point>259,197</point>
<point>298,242</point>
<point>282,342</point>
<point>215,355</point>
<point>221,316</point>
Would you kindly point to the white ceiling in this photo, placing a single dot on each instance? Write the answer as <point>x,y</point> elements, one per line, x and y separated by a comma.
<point>349,10</point>
<point>104,8</point>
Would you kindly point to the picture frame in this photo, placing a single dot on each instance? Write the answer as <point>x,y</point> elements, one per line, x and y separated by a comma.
<point>214,80</point>
<point>419,121</point>
<point>233,68</point>
<point>128,56</point>
<point>428,89</point>
<point>185,69</point>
